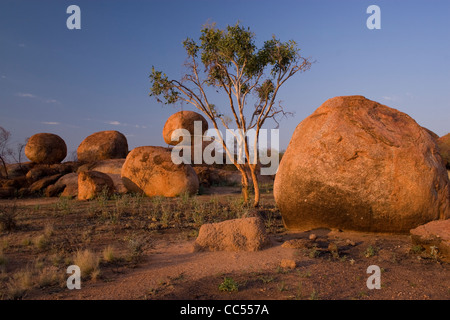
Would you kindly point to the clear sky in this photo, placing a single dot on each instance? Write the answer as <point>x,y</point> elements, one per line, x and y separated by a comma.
<point>77,82</point>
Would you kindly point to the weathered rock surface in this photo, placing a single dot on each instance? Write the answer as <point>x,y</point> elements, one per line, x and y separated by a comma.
<point>444,149</point>
<point>93,183</point>
<point>103,145</point>
<point>46,148</point>
<point>246,234</point>
<point>111,166</point>
<point>150,170</point>
<point>66,186</point>
<point>358,165</point>
<point>43,183</point>
<point>434,233</point>
<point>182,120</point>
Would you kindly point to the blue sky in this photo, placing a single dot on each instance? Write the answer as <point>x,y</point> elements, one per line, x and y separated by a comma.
<point>77,82</point>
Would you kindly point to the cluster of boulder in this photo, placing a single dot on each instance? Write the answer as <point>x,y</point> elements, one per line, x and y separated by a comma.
<point>100,154</point>
<point>105,165</point>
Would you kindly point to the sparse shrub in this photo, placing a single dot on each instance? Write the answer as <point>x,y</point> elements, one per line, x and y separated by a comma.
<point>228,285</point>
<point>64,205</point>
<point>314,295</point>
<point>41,242</point>
<point>8,218</point>
<point>314,252</point>
<point>49,277</point>
<point>109,254</point>
<point>136,247</point>
<point>19,284</point>
<point>88,263</point>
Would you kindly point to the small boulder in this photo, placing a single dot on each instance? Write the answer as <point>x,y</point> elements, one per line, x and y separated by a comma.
<point>433,234</point>
<point>246,234</point>
<point>46,148</point>
<point>150,170</point>
<point>103,145</point>
<point>93,183</point>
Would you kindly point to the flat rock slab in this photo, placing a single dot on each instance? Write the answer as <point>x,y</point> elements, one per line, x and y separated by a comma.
<point>434,233</point>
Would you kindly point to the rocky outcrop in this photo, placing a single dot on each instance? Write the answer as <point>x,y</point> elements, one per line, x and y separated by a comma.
<point>358,165</point>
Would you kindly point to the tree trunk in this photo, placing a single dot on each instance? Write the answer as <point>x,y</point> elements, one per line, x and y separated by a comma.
<point>4,167</point>
<point>255,185</point>
<point>245,186</point>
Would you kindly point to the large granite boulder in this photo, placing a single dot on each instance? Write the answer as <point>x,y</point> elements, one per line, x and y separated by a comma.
<point>150,170</point>
<point>358,165</point>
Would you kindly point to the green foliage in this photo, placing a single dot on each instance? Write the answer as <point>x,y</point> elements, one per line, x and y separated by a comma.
<point>232,62</point>
<point>228,285</point>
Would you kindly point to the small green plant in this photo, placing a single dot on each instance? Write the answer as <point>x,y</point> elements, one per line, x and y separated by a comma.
<point>282,286</point>
<point>314,252</point>
<point>417,249</point>
<point>64,205</point>
<point>266,279</point>
<point>228,285</point>
<point>370,251</point>
<point>299,291</point>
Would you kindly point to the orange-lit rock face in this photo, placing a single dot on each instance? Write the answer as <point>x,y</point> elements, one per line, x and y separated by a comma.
<point>358,165</point>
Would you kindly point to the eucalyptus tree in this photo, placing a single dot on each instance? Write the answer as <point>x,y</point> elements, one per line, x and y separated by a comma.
<point>250,78</point>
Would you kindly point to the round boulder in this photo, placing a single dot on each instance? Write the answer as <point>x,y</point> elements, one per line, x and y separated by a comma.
<point>150,170</point>
<point>183,120</point>
<point>103,145</point>
<point>46,148</point>
<point>358,165</point>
